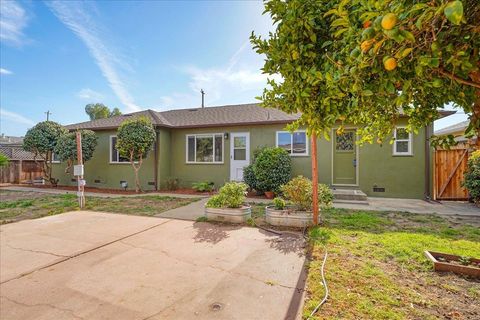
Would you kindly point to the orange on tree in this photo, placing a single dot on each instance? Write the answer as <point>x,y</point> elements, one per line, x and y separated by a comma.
<point>389,63</point>
<point>389,21</point>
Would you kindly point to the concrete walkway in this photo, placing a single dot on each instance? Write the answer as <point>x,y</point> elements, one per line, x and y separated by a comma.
<point>99,194</point>
<point>92,265</point>
<point>191,211</point>
<point>448,208</point>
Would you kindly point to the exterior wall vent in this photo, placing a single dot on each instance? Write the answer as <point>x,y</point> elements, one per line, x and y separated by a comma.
<point>151,183</point>
<point>378,189</point>
<point>97,181</point>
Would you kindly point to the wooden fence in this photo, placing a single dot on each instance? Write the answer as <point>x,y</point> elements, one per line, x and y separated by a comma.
<point>20,171</point>
<point>450,167</point>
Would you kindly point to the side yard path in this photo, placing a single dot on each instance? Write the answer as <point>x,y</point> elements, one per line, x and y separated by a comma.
<point>21,205</point>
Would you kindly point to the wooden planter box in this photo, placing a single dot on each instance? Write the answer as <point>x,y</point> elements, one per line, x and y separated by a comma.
<point>288,217</point>
<point>446,266</point>
<point>234,215</point>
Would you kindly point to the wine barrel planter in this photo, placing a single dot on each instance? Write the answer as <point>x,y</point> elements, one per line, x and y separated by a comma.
<point>288,217</point>
<point>443,262</point>
<point>234,215</point>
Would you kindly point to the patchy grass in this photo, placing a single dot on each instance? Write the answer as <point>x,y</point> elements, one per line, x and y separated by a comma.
<point>17,206</point>
<point>376,268</point>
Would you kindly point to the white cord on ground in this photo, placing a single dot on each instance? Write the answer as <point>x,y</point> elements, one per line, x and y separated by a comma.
<point>324,284</point>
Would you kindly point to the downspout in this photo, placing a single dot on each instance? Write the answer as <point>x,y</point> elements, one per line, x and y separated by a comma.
<point>428,134</point>
<point>157,157</point>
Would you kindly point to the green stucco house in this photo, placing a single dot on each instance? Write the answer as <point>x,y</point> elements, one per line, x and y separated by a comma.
<point>215,143</point>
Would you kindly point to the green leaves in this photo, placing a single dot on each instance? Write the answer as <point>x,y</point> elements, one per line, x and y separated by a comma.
<point>135,138</point>
<point>454,12</point>
<point>66,148</point>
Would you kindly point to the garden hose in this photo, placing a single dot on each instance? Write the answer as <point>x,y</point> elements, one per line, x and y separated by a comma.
<point>324,284</point>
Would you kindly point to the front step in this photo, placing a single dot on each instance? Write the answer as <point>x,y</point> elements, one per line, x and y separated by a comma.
<point>349,194</point>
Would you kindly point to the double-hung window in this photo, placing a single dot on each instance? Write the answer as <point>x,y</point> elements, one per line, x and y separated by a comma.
<point>115,156</point>
<point>402,144</point>
<point>294,143</point>
<point>204,148</point>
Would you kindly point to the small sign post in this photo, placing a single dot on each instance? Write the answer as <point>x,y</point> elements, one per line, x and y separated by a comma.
<point>78,172</point>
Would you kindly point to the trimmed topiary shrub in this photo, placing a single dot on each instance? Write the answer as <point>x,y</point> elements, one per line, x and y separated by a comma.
<point>299,191</point>
<point>272,169</point>
<point>472,177</point>
<point>231,195</point>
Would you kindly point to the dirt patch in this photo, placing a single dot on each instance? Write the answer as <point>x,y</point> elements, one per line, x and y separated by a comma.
<point>7,195</point>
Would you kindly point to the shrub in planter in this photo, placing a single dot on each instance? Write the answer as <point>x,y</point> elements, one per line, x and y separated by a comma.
<point>472,177</point>
<point>231,195</point>
<point>272,169</point>
<point>279,203</point>
<point>299,191</point>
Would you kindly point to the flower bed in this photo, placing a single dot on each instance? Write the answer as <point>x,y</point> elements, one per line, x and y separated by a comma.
<point>456,264</point>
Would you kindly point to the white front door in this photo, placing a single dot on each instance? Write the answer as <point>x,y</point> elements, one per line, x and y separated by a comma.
<point>239,154</point>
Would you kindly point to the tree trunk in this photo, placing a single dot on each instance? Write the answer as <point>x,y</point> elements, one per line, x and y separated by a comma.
<point>136,169</point>
<point>475,76</point>
<point>314,179</point>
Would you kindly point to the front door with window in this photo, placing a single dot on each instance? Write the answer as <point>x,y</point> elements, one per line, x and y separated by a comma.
<point>344,158</point>
<point>239,154</point>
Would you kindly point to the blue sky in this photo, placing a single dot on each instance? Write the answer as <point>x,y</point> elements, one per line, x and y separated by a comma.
<point>59,56</point>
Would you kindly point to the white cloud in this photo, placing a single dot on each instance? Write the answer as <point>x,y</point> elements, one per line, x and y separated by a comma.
<point>75,15</point>
<point>15,117</point>
<point>89,94</point>
<point>241,79</point>
<point>5,71</point>
<point>13,19</point>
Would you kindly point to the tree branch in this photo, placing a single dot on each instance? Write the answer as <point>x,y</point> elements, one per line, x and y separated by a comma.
<point>458,79</point>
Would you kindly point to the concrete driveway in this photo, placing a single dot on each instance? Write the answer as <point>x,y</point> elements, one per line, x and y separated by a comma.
<point>90,265</point>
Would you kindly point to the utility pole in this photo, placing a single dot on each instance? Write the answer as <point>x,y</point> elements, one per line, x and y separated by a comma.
<point>203,100</point>
<point>78,171</point>
<point>48,113</point>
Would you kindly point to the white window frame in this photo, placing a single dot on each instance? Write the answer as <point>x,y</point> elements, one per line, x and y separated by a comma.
<point>204,135</point>
<point>305,154</point>
<point>118,154</point>
<point>53,157</point>
<point>409,140</point>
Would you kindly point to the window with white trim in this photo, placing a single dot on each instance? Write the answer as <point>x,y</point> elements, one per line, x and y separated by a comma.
<point>55,158</point>
<point>115,156</point>
<point>204,148</point>
<point>402,144</point>
<point>294,143</point>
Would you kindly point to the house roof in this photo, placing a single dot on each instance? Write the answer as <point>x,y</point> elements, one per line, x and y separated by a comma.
<point>242,114</point>
<point>6,140</point>
<point>229,115</point>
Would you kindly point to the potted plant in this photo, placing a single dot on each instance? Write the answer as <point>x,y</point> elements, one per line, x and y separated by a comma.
<point>228,204</point>
<point>298,192</point>
<point>272,169</point>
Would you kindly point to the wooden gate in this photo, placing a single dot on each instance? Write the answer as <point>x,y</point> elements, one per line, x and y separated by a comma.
<point>20,171</point>
<point>450,167</point>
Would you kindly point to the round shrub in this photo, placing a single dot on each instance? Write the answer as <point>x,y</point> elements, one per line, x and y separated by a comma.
<point>249,177</point>
<point>472,177</point>
<point>272,169</point>
<point>299,191</point>
<point>231,195</point>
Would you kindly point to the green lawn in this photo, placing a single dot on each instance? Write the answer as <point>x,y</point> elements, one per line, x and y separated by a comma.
<point>376,268</point>
<point>17,206</point>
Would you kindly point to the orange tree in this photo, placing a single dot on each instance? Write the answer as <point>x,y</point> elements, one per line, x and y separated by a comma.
<point>368,62</point>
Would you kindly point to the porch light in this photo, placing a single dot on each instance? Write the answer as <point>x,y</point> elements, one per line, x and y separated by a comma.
<point>225,135</point>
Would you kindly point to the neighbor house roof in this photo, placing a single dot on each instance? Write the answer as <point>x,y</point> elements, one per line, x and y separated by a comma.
<point>229,115</point>
<point>16,152</point>
<point>454,128</point>
<point>457,130</point>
